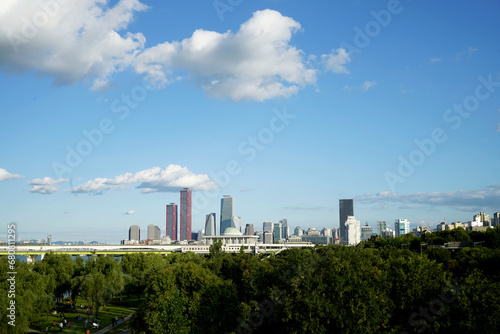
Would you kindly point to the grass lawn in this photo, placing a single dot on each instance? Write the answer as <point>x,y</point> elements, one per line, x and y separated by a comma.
<point>77,326</point>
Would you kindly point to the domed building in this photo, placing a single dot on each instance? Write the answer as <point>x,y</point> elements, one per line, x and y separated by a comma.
<point>232,236</point>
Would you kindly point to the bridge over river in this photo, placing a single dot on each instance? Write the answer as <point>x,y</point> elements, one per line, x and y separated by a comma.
<point>32,252</point>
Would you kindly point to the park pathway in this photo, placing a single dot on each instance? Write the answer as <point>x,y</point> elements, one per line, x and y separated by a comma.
<point>109,327</point>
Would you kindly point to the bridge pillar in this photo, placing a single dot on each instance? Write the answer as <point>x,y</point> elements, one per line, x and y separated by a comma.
<point>42,256</point>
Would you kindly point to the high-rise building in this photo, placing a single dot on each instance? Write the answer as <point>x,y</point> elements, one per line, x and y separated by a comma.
<point>496,219</point>
<point>249,229</point>
<point>134,233</point>
<point>327,232</point>
<point>267,227</point>
<point>298,231</point>
<point>210,225</point>
<point>484,218</point>
<point>226,213</point>
<point>277,233</point>
<point>381,226</point>
<point>185,233</point>
<point>388,233</point>
<point>366,232</point>
<point>401,227</point>
<point>286,232</point>
<point>352,231</point>
<point>346,209</point>
<point>335,234</point>
<point>49,239</point>
<point>172,221</point>
<point>267,237</point>
<point>236,222</point>
<point>154,232</point>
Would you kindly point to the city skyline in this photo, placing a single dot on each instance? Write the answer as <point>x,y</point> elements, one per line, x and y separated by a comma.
<point>287,106</point>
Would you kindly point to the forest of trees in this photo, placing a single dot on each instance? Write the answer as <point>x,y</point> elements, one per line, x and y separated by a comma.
<point>399,285</point>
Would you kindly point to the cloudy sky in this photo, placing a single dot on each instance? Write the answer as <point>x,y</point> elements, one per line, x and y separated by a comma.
<point>109,108</point>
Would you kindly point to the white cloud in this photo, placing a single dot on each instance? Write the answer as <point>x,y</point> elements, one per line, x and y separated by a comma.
<point>467,200</point>
<point>169,179</point>
<point>255,63</point>
<point>87,40</point>
<point>5,175</point>
<point>69,40</point>
<point>45,186</point>
<point>130,212</point>
<point>498,128</point>
<point>434,60</point>
<point>368,84</point>
<point>365,86</point>
<point>336,61</point>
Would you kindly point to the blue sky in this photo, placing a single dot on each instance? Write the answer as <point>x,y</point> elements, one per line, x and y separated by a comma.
<point>288,106</point>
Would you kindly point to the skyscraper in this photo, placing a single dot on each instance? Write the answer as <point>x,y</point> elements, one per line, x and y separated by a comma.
<point>226,213</point>
<point>236,222</point>
<point>249,229</point>
<point>496,219</point>
<point>366,232</point>
<point>286,231</point>
<point>346,209</point>
<point>172,221</point>
<point>210,225</point>
<point>484,218</point>
<point>154,232</point>
<point>49,239</point>
<point>401,227</point>
<point>267,227</point>
<point>134,233</point>
<point>185,214</point>
<point>352,231</point>
<point>381,226</point>
<point>277,233</point>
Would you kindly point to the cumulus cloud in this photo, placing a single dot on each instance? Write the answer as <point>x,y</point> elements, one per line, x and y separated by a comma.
<point>45,186</point>
<point>255,63</point>
<point>87,40</point>
<point>5,175</point>
<point>466,200</point>
<point>130,212</point>
<point>169,179</point>
<point>69,41</point>
<point>336,61</point>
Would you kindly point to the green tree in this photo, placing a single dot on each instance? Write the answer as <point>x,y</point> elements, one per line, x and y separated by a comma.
<point>101,279</point>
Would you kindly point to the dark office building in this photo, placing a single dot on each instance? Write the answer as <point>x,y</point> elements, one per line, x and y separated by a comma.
<point>346,208</point>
